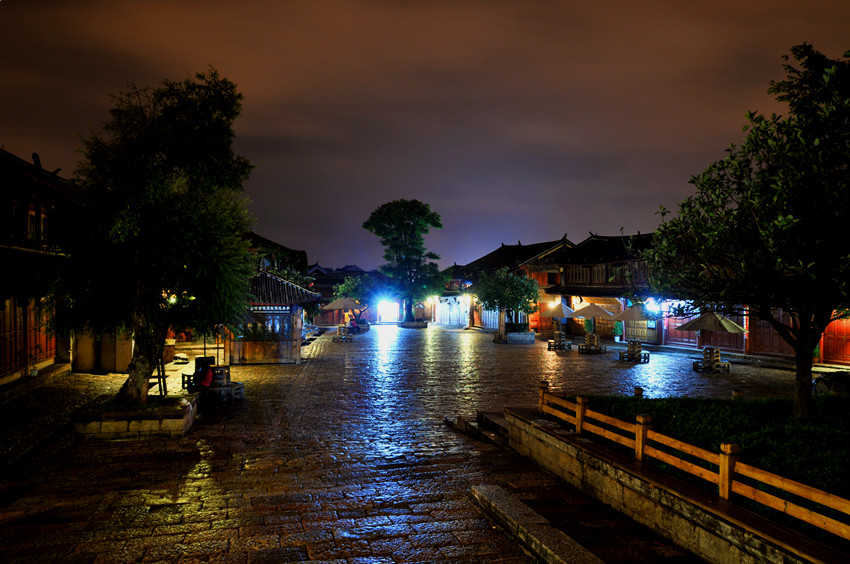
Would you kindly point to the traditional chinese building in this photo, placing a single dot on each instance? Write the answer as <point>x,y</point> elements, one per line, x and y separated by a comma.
<point>276,257</point>
<point>30,199</point>
<point>603,270</point>
<point>528,260</point>
<point>271,333</point>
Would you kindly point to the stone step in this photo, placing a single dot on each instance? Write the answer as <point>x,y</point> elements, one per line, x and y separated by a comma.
<point>493,421</point>
<point>533,531</point>
<point>475,430</point>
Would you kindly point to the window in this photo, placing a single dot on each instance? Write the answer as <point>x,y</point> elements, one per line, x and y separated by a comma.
<point>31,225</point>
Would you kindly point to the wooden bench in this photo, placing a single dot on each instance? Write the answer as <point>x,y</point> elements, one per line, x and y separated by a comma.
<point>591,345</point>
<point>558,342</point>
<point>711,362</point>
<point>634,353</point>
<point>342,335</point>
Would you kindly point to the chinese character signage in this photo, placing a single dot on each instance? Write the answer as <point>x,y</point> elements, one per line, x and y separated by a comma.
<point>274,309</point>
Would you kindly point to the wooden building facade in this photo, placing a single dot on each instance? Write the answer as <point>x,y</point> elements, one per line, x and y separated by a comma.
<point>30,199</point>
<point>529,260</point>
<point>606,270</point>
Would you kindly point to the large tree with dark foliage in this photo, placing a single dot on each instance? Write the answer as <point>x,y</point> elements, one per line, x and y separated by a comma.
<point>158,236</point>
<point>402,225</point>
<point>509,293</point>
<point>767,227</point>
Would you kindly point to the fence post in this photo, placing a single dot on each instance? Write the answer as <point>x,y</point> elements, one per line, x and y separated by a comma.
<point>544,389</point>
<point>728,456</point>
<point>644,422</point>
<point>581,407</point>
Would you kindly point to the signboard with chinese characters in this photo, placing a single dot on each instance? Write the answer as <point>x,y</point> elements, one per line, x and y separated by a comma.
<point>272,309</point>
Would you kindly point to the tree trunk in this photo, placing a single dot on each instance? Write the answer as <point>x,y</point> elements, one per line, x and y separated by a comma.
<point>501,335</point>
<point>803,382</point>
<point>804,334</point>
<point>136,386</point>
<point>408,310</point>
<point>146,351</point>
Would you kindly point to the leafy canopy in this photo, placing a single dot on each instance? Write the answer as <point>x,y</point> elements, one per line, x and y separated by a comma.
<point>766,228</point>
<point>503,290</point>
<point>157,240</point>
<point>365,289</point>
<point>401,226</point>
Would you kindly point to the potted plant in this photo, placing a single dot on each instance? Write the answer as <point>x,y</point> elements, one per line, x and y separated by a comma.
<point>617,331</point>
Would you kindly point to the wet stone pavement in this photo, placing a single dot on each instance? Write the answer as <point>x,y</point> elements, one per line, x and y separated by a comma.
<point>344,458</point>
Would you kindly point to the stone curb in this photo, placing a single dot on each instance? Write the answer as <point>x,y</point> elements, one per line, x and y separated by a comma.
<point>530,528</point>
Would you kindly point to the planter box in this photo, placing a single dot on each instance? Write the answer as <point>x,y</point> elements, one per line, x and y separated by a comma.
<point>265,352</point>
<point>523,338</point>
<point>137,423</point>
<point>413,324</point>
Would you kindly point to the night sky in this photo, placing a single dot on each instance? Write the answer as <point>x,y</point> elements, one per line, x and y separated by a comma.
<point>514,120</point>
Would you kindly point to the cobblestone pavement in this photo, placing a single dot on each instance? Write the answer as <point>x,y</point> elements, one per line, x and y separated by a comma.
<point>344,458</point>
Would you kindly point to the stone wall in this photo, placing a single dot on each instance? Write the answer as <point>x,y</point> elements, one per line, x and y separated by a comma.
<point>524,338</point>
<point>265,352</point>
<point>694,522</point>
<point>137,424</point>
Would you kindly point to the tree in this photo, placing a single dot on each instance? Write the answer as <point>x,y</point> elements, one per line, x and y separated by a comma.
<point>402,225</point>
<point>365,289</point>
<point>158,235</point>
<point>507,292</point>
<point>767,226</point>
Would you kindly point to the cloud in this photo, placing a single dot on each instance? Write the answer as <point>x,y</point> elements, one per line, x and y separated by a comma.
<point>513,120</point>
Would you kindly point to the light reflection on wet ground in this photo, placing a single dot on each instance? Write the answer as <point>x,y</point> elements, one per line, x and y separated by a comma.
<point>392,387</point>
<point>465,371</point>
<point>345,457</point>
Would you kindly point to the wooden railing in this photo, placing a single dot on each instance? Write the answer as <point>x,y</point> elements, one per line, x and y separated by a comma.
<point>645,442</point>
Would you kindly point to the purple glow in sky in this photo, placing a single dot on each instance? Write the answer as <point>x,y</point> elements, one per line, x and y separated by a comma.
<point>513,120</point>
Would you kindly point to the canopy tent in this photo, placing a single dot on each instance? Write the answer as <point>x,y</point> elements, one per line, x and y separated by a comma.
<point>592,310</point>
<point>712,321</point>
<point>342,303</point>
<point>634,313</point>
<point>559,310</point>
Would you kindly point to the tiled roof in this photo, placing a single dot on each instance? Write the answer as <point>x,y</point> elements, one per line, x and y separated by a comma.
<point>259,242</point>
<point>351,268</point>
<point>268,289</point>
<point>513,256</point>
<point>599,249</point>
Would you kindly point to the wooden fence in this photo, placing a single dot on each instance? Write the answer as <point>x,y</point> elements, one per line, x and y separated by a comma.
<point>645,442</point>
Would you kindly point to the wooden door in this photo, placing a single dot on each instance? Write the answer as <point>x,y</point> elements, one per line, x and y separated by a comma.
<point>836,342</point>
<point>672,336</point>
<point>764,340</point>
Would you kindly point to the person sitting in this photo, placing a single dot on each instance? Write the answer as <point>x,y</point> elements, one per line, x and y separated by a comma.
<point>201,379</point>
<point>353,326</point>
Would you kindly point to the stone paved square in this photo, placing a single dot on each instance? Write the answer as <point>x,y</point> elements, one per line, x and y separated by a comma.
<point>345,457</point>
